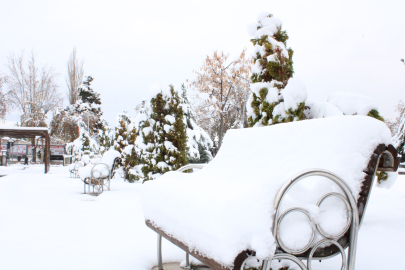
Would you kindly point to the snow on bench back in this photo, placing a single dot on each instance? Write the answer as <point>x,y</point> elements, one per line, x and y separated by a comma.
<point>227,207</point>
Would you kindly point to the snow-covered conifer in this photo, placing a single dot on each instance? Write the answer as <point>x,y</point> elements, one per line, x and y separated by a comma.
<point>199,142</point>
<point>88,106</point>
<point>164,145</point>
<point>105,137</point>
<point>131,156</point>
<point>120,141</point>
<point>276,97</point>
<point>83,145</point>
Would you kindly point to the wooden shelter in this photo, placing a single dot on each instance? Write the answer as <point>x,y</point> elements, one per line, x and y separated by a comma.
<point>30,132</point>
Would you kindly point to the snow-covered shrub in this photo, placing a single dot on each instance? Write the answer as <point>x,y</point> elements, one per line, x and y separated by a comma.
<point>121,131</point>
<point>84,145</point>
<point>342,103</point>
<point>105,137</point>
<point>130,156</point>
<point>276,96</point>
<point>199,142</point>
<point>164,138</point>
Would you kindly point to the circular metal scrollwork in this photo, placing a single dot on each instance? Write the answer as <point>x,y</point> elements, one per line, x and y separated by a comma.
<point>284,247</point>
<point>282,256</point>
<point>342,252</point>
<point>291,258</point>
<point>349,215</point>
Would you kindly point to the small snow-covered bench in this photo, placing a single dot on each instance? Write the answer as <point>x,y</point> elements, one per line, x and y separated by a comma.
<point>98,175</point>
<point>74,169</point>
<point>295,191</point>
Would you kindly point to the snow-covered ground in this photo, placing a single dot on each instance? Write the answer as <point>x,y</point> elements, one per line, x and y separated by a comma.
<point>46,222</point>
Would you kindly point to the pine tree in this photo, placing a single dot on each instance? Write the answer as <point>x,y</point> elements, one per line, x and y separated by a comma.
<point>178,134</point>
<point>131,157</point>
<point>272,70</point>
<point>104,138</point>
<point>164,136</point>
<point>87,94</point>
<point>121,137</point>
<point>88,106</point>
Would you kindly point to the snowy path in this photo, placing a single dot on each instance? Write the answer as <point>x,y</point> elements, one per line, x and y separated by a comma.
<point>47,223</point>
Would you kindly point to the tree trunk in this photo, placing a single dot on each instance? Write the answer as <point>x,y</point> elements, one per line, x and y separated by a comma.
<point>221,128</point>
<point>242,118</point>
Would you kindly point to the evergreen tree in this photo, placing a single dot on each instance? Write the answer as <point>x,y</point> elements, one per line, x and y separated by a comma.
<point>131,157</point>
<point>88,95</point>
<point>104,138</point>
<point>164,136</point>
<point>272,70</point>
<point>121,136</point>
<point>88,106</point>
<point>83,145</point>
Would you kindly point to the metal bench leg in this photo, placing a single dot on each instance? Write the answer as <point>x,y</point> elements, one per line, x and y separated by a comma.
<point>187,260</point>
<point>159,252</point>
<point>266,265</point>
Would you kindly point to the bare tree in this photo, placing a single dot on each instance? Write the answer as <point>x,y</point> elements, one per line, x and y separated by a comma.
<point>32,90</point>
<point>3,101</point>
<point>75,76</point>
<point>224,90</point>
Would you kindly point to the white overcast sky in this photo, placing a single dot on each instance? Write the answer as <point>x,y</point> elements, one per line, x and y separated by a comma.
<point>339,45</point>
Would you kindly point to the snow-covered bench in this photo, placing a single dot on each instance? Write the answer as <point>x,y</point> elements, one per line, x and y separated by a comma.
<point>74,169</point>
<point>295,191</point>
<point>97,176</point>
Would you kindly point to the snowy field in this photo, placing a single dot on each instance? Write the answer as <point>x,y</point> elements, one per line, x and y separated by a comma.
<point>46,222</point>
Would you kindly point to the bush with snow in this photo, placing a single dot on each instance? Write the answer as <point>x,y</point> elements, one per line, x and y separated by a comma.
<point>342,103</point>
<point>120,141</point>
<point>84,145</point>
<point>164,138</point>
<point>199,142</point>
<point>276,96</point>
<point>130,156</point>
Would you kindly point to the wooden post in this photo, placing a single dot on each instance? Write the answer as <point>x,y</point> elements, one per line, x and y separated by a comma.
<point>47,155</point>
<point>48,136</point>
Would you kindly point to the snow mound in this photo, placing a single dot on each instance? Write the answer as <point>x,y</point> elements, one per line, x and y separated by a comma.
<point>227,207</point>
<point>155,89</point>
<point>351,104</point>
<point>294,93</point>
